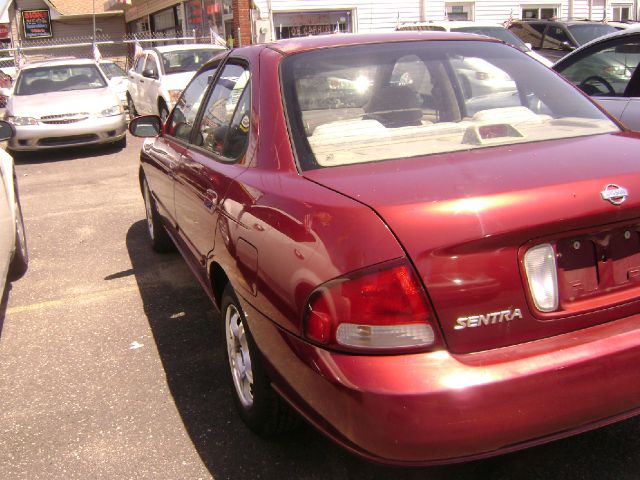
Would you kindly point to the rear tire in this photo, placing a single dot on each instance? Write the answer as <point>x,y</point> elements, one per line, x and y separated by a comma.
<point>257,403</point>
<point>132,108</point>
<point>20,262</point>
<point>160,240</point>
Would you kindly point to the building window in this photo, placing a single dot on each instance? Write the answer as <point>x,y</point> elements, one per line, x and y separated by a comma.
<point>621,13</point>
<point>459,11</point>
<point>165,21</point>
<point>202,16</point>
<point>303,24</point>
<point>541,12</point>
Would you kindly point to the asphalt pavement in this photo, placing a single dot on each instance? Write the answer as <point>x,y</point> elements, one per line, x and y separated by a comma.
<point>112,363</point>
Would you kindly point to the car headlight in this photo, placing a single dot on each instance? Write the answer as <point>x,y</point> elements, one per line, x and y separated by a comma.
<point>174,95</point>
<point>111,111</point>
<point>22,121</point>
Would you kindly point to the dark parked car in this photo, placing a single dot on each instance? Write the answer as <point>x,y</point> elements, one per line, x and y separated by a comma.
<point>422,274</point>
<point>607,69</point>
<point>553,39</point>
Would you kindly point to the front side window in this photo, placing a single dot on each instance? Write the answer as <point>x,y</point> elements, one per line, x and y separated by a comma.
<point>140,64</point>
<point>151,64</point>
<point>370,103</point>
<point>604,70</point>
<point>184,114</point>
<point>225,120</point>
<point>59,78</point>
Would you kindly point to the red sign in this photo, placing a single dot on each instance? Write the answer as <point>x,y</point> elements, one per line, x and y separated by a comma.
<point>4,30</point>
<point>36,23</point>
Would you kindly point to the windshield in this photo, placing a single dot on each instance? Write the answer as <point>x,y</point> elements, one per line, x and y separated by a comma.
<point>112,70</point>
<point>496,32</point>
<point>380,102</point>
<point>587,32</point>
<point>185,60</point>
<point>59,78</point>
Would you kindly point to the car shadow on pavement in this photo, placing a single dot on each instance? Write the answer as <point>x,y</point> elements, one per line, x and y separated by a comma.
<point>3,304</point>
<point>63,154</point>
<point>189,339</point>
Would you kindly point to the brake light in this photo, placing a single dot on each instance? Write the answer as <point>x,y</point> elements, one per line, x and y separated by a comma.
<point>375,309</point>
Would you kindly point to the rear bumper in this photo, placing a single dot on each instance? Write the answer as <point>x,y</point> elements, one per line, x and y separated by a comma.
<point>437,407</point>
<point>86,132</point>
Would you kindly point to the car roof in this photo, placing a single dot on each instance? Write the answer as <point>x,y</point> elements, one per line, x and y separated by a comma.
<point>630,32</point>
<point>59,62</point>
<point>300,44</point>
<point>563,22</point>
<point>448,24</point>
<point>191,46</point>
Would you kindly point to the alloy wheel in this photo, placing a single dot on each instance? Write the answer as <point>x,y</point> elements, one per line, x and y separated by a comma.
<point>239,356</point>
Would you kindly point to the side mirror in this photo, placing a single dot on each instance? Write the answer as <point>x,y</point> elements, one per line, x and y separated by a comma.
<point>528,45</point>
<point>146,126</point>
<point>567,46</point>
<point>6,131</point>
<point>5,92</point>
<point>149,73</point>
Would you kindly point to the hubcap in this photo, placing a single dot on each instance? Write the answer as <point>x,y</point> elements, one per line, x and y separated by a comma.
<point>147,208</point>
<point>239,356</point>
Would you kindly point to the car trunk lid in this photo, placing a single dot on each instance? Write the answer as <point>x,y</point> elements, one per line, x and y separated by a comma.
<point>466,219</point>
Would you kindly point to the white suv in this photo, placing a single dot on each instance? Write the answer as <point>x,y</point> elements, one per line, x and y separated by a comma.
<point>160,74</point>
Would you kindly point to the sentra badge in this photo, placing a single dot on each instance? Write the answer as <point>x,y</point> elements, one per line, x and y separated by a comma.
<point>614,193</point>
<point>474,321</point>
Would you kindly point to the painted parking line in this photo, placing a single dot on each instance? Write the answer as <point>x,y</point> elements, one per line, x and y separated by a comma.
<point>76,299</point>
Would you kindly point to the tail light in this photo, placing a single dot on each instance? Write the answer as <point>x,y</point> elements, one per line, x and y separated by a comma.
<point>541,270</point>
<point>383,308</point>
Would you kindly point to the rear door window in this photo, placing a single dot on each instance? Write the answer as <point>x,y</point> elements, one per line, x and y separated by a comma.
<point>556,38</point>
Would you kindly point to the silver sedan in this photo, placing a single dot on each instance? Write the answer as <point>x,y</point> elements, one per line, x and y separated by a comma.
<point>13,244</point>
<point>64,103</point>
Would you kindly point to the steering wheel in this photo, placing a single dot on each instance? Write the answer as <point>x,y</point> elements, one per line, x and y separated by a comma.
<point>588,87</point>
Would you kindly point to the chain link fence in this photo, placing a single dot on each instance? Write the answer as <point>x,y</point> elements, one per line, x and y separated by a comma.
<point>120,50</point>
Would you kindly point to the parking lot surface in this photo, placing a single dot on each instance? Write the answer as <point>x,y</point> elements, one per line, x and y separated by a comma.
<point>112,362</point>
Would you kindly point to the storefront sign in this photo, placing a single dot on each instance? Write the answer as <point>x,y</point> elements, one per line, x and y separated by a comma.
<point>4,30</point>
<point>36,23</point>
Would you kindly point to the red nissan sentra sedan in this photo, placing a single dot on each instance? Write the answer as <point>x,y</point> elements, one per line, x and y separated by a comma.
<point>424,273</point>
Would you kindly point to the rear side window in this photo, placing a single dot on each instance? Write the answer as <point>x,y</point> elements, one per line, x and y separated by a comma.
<point>556,38</point>
<point>529,32</point>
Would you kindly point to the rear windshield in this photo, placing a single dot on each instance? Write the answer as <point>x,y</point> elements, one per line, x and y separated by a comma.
<point>587,32</point>
<point>185,60</point>
<point>59,78</point>
<point>496,32</point>
<point>379,102</point>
